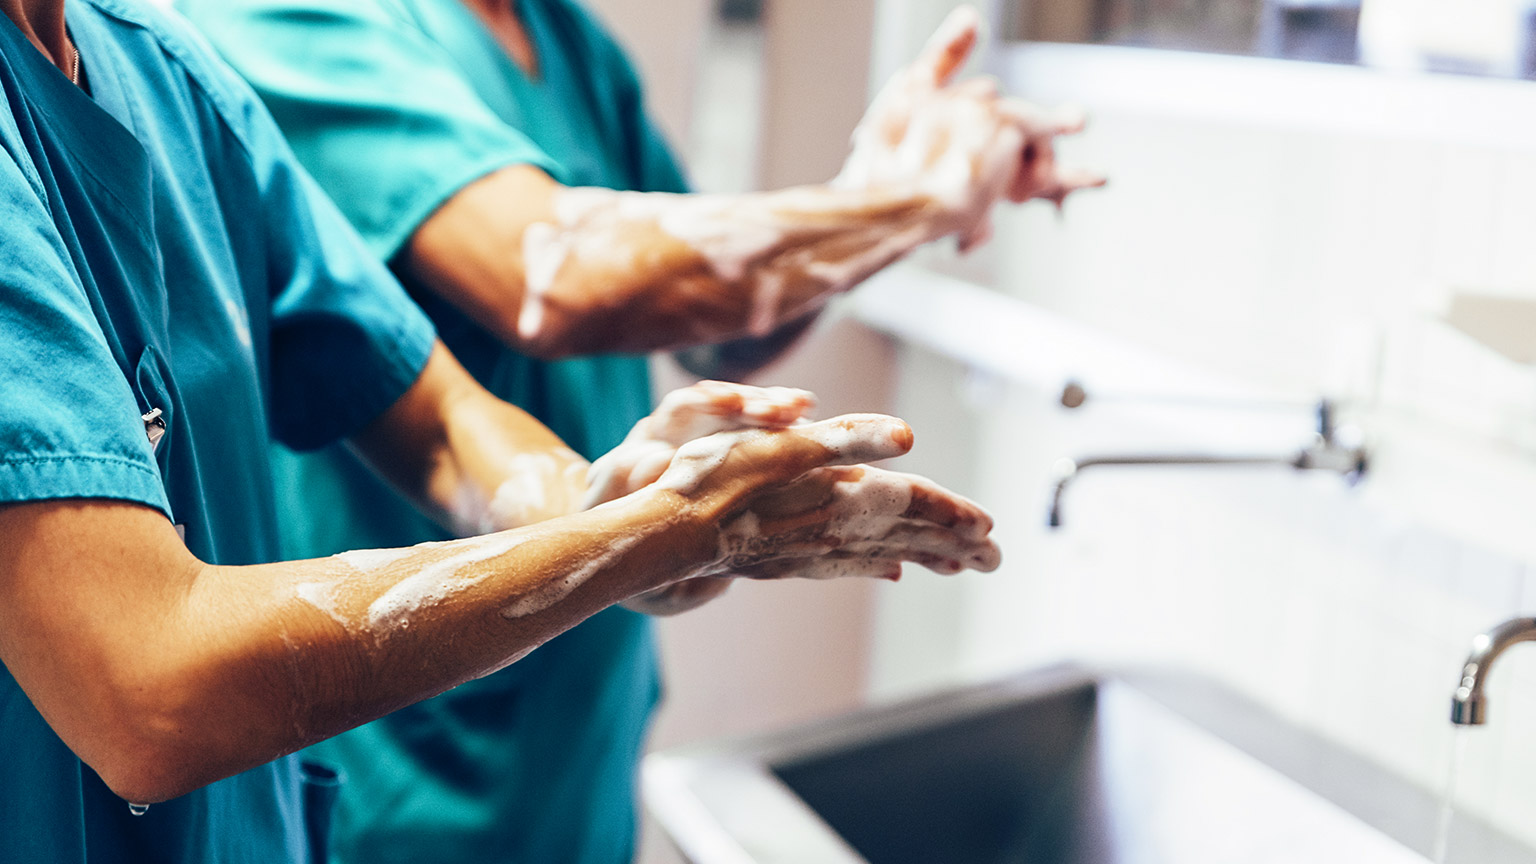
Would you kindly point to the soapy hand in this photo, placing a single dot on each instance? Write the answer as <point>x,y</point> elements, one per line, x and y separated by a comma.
<point>858,521</point>
<point>684,415</point>
<point>796,502</point>
<point>961,143</point>
<point>790,498</point>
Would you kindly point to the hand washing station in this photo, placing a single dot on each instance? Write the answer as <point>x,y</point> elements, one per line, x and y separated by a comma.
<point>1058,766</point>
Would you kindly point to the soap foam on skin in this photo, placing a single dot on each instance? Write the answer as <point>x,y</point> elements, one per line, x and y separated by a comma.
<point>867,530</point>
<point>550,593</point>
<point>890,247</point>
<point>701,410</point>
<point>959,145</point>
<point>367,560</point>
<point>852,438</point>
<point>698,459</point>
<point>538,486</point>
<point>543,255</point>
<point>730,233</point>
<point>445,578</point>
<point>826,567</point>
<point>325,596</point>
<point>624,469</point>
<point>428,586</point>
<point>686,415</point>
<point>435,583</point>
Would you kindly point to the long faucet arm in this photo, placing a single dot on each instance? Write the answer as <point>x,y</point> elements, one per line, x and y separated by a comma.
<point>1068,470</point>
<point>1469,706</point>
<point>1326,452</point>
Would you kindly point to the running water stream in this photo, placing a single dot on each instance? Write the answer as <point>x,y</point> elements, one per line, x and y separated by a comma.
<point>1448,800</point>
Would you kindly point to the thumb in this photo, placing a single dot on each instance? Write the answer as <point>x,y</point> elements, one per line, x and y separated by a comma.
<point>853,439</point>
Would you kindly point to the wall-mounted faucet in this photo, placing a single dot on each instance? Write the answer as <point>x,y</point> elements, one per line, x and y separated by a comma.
<point>1325,453</point>
<point>1469,707</point>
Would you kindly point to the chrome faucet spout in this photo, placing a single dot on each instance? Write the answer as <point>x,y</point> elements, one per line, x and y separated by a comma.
<point>1469,706</point>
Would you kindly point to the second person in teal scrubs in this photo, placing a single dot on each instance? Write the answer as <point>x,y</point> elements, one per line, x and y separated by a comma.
<point>445,129</point>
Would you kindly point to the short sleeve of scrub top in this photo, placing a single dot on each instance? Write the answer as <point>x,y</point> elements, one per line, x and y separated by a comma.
<point>160,248</point>
<point>69,427</point>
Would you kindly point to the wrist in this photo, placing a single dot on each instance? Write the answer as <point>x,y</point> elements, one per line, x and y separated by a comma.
<point>684,535</point>
<point>697,538</point>
<point>927,212</point>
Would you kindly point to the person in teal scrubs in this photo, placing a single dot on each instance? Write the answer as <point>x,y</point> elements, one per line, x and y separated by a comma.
<point>443,129</point>
<point>134,281</point>
<point>175,291</point>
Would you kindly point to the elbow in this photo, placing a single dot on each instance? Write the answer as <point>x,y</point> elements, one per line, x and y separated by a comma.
<point>144,779</point>
<point>145,766</point>
<point>158,741</point>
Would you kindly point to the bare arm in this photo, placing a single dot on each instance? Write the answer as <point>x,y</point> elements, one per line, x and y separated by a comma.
<point>556,271</point>
<point>163,672</point>
<point>474,463</point>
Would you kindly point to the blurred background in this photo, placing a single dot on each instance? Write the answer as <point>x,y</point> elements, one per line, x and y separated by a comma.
<point>1309,199</point>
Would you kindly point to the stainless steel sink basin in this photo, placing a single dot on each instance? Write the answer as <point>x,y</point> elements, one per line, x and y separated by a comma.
<point>1060,766</point>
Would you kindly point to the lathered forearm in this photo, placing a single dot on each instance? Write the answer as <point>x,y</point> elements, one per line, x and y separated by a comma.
<point>191,672</point>
<point>636,271</point>
<point>364,633</point>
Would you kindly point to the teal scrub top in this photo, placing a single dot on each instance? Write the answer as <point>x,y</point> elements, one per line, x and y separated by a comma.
<point>396,105</point>
<point>160,248</point>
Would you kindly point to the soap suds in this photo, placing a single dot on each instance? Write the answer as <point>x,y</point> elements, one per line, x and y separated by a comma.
<point>435,583</point>
<point>868,527</point>
<point>325,596</point>
<point>948,150</point>
<point>367,560</point>
<point>544,253</point>
<point>958,144</point>
<point>735,236</point>
<point>696,460</point>
<point>851,438</point>
<point>430,585</point>
<point>687,415</point>
<point>538,486</point>
<point>550,593</point>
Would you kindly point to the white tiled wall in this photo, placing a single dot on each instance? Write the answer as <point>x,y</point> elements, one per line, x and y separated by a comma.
<point>1302,261</point>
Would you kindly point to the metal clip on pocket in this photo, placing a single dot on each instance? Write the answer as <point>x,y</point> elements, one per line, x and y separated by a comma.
<point>154,427</point>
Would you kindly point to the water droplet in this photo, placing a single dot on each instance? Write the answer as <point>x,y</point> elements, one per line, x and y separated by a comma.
<point>137,809</point>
